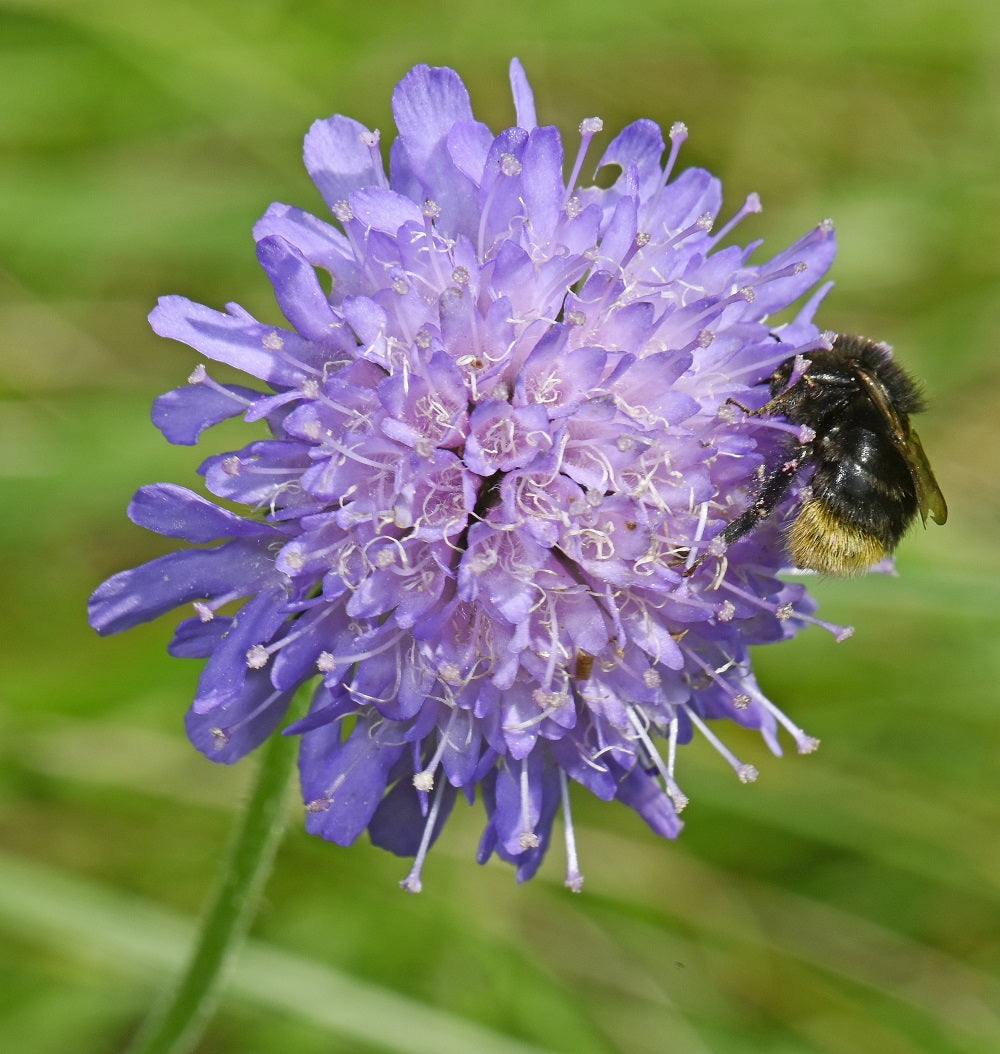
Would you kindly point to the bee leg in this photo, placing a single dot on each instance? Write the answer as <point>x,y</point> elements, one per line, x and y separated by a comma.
<point>746,409</point>
<point>771,490</point>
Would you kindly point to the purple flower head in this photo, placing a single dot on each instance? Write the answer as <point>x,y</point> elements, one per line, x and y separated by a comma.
<point>500,429</point>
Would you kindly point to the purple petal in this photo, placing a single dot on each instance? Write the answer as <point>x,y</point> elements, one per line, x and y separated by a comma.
<point>399,821</point>
<point>642,793</point>
<point>230,732</point>
<point>180,513</point>
<point>195,638</point>
<point>646,384</point>
<point>257,473</point>
<point>184,413</point>
<point>460,759</point>
<point>343,782</point>
<point>577,760</point>
<point>320,243</point>
<point>693,194</point>
<point>620,233</point>
<point>225,673</point>
<point>142,593</point>
<point>314,634</point>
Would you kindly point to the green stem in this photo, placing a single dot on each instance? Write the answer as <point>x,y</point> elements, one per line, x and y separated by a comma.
<point>176,1021</point>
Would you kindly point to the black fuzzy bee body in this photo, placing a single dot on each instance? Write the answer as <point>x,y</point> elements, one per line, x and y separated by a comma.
<point>870,474</point>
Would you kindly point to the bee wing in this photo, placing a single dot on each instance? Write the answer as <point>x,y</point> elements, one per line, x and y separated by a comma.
<point>929,496</point>
<point>930,500</point>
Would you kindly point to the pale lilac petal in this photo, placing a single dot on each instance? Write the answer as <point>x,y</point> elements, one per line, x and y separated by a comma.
<point>426,104</point>
<point>339,159</point>
<point>384,210</point>
<point>468,147</point>
<point>541,181</point>
<point>638,146</point>
<point>299,293</point>
<point>280,357</point>
<point>524,99</point>
<point>815,251</point>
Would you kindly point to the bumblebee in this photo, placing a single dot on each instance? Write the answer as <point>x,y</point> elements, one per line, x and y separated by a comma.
<point>870,474</point>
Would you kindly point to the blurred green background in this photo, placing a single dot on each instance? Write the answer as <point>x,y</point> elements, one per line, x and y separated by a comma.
<point>848,901</point>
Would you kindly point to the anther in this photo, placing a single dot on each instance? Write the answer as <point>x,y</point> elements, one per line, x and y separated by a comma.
<point>509,165</point>
<point>257,657</point>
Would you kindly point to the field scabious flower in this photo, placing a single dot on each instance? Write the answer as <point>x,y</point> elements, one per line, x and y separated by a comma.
<point>500,429</point>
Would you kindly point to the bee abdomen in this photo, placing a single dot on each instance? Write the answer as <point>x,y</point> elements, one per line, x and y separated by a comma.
<point>819,540</point>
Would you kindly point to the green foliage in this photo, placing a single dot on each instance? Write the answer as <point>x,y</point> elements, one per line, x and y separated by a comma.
<point>847,902</point>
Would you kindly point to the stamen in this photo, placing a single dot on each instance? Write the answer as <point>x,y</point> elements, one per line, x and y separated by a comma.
<point>206,609</point>
<point>257,657</point>
<point>412,883</point>
<point>784,612</point>
<point>199,375</point>
<point>702,225</point>
<point>424,780</point>
<point>574,880</point>
<point>343,212</point>
<point>529,840</point>
<point>510,165</point>
<point>666,771</point>
<point>589,127</point>
<point>359,656</point>
<point>678,133</point>
<point>679,798</point>
<point>746,773</point>
<point>221,737</point>
<point>804,743</point>
<point>372,140</point>
<point>692,560</point>
<point>789,271</point>
<point>750,206</point>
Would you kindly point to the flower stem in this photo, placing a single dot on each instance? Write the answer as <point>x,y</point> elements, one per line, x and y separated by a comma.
<point>176,1021</point>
